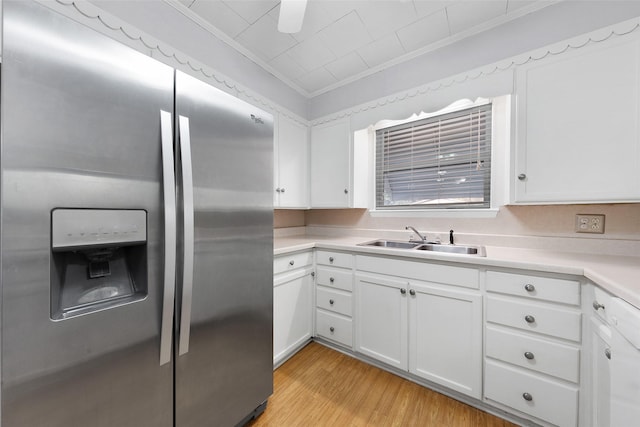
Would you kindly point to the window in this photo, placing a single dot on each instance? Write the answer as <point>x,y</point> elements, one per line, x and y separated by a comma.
<point>438,162</point>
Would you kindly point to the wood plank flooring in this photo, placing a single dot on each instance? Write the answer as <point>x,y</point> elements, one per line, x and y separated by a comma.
<point>322,387</point>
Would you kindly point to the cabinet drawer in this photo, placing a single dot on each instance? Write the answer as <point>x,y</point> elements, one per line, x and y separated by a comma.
<point>535,287</point>
<point>335,278</point>
<point>334,327</point>
<point>550,400</point>
<point>289,262</point>
<point>334,259</point>
<point>423,271</point>
<point>334,300</point>
<point>539,355</point>
<point>534,317</point>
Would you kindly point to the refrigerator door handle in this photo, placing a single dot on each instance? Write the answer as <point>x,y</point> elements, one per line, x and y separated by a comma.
<point>188,230</point>
<point>168,183</point>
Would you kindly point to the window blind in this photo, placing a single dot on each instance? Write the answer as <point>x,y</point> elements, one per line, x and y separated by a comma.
<point>437,162</point>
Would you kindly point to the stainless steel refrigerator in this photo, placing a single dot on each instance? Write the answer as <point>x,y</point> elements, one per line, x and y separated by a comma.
<point>136,239</point>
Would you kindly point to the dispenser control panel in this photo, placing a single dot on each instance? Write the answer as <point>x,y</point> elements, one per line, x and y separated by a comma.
<point>79,228</point>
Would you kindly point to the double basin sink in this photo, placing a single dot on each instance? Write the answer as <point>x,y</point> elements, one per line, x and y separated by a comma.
<point>427,246</point>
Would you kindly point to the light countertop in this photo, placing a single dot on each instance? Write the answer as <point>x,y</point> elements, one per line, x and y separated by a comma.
<point>619,275</point>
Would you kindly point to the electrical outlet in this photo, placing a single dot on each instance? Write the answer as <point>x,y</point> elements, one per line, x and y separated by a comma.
<point>589,223</point>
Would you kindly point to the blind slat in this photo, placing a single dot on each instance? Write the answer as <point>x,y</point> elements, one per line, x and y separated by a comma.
<point>440,161</point>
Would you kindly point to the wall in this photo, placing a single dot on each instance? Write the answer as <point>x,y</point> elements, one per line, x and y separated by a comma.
<point>559,21</point>
<point>287,218</point>
<point>166,23</point>
<point>541,227</point>
<point>622,221</point>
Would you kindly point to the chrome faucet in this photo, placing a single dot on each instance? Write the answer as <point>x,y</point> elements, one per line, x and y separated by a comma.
<point>423,238</point>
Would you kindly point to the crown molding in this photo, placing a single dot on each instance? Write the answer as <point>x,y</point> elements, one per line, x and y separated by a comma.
<point>620,29</point>
<point>205,25</point>
<point>86,13</point>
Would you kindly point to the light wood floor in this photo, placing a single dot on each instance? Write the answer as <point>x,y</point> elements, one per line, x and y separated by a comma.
<point>322,387</point>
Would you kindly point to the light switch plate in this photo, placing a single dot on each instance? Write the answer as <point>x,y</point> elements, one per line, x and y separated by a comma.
<point>589,223</point>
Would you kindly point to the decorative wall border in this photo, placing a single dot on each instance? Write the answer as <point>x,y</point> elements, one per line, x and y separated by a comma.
<point>112,23</point>
<point>617,30</point>
<point>89,12</point>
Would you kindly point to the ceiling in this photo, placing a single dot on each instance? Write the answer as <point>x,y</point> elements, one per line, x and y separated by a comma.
<point>343,40</point>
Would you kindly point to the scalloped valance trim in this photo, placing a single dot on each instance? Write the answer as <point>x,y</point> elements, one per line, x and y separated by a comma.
<point>91,12</point>
<point>87,11</point>
<point>598,36</point>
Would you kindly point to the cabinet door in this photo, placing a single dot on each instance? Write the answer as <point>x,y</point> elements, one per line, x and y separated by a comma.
<point>600,390</point>
<point>381,319</point>
<point>445,335</point>
<point>292,314</point>
<point>330,165</point>
<point>578,126</point>
<point>292,170</point>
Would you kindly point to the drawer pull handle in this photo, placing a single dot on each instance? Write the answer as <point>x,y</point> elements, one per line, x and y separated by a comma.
<point>291,262</point>
<point>597,306</point>
<point>529,355</point>
<point>332,329</point>
<point>529,287</point>
<point>403,291</point>
<point>330,302</point>
<point>529,318</point>
<point>607,353</point>
<point>331,279</point>
<point>331,259</point>
<point>527,397</point>
<point>412,292</point>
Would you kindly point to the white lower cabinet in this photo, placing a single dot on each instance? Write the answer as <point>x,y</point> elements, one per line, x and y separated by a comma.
<point>600,370</point>
<point>292,304</point>
<point>426,318</point>
<point>334,306</point>
<point>532,394</point>
<point>532,346</point>
<point>381,319</point>
<point>432,330</point>
<point>445,337</point>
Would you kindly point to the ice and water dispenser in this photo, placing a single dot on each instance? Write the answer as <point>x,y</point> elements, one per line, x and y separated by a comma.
<point>99,259</point>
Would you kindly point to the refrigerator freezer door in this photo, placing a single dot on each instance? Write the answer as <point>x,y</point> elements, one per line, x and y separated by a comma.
<point>81,129</point>
<point>228,370</point>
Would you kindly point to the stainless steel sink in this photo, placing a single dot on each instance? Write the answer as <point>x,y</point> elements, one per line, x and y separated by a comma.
<point>454,249</point>
<point>433,247</point>
<point>395,244</point>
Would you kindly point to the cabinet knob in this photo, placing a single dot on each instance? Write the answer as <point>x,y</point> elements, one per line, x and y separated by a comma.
<point>529,318</point>
<point>291,262</point>
<point>313,274</point>
<point>282,190</point>
<point>346,191</point>
<point>597,306</point>
<point>330,302</point>
<point>331,279</point>
<point>331,259</point>
<point>529,287</point>
<point>403,291</point>
<point>522,177</point>
<point>277,190</point>
<point>332,329</point>
<point>527,397</point>
<point>412,292</point>
<point>529,355</point>
<point>607,353</point>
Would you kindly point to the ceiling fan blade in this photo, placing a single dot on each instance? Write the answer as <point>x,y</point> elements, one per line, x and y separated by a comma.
<point>291,15</point>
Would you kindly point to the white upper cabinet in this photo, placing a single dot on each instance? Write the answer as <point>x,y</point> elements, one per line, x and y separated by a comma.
<point>577,135</point>
<point>338,165</point>
<point>291,171</point>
